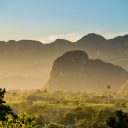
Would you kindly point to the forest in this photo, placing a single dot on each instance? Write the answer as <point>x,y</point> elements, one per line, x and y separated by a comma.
<point>42,108</point>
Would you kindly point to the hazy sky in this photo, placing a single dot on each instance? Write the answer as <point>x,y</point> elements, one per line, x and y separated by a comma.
<point>46,20</point>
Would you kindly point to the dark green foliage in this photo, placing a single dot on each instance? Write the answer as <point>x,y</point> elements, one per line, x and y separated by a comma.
<point>88,113</point>
<point>57,102</point>
<point>39,120</point>
<point>23,120</point>
<point>54,126</point>
<point>68,118</point>
<point>31,97</point>
<point>120,121</point>
<point>2,92</point>
<point>111,121</point>
<point>35,108</point>
<point>75,115</point>
<point>4,109</point>
<point>76,102</point>
<point>52,110</point>
<point>120,105</point>
<point>102,125</point>
<point>94,125</point>
<point>103,114</point>
<point>65,102</point>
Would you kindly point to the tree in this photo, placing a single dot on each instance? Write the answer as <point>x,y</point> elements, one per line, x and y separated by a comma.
<point>25,121</point>
<point>88,113</point>
<point>54,126</point>
<point>4,109</point>
<point>68,118</point>
<point>39,120</point>
<point>31,97</point>
<point>76,102</point>
<point>102,115</point>
<point>57,102</point>
<point>83,123</point>
<point>38,91</point>
<point>45,90</point>
<point>120,105</point>
<point>108,87</point>
<point>120,121</point>
<point>65,102</point>
<point>14,94</point>
<point>79,113</point>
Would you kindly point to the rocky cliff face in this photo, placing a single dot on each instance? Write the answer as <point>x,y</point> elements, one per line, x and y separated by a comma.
<point>75,71</point>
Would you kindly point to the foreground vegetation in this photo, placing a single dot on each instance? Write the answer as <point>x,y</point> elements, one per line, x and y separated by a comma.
<point>41,108</point>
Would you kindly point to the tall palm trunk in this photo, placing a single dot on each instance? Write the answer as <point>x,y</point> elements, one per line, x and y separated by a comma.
<point>108,96</point>
<point>108,87</point>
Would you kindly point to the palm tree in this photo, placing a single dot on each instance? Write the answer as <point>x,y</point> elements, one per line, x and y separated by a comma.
<point>108,87</point>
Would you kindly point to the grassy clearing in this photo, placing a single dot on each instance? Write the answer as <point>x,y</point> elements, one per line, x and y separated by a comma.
<point>68,107</point>
<point>65,106</point>
<point>13,102</point>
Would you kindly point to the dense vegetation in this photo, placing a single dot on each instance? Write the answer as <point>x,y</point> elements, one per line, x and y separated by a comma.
<point>41,108</point>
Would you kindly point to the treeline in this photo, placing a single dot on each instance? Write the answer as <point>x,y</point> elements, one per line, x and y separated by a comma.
<point>59,97</point>
<point>40,108</point>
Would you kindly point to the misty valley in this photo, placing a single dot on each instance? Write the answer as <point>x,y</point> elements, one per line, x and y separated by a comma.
<point>63,84</point>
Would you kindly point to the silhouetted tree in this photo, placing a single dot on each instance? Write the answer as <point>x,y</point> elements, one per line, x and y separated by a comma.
<point>108,87</point>
<point>4,109</point>
<point>120,122</point>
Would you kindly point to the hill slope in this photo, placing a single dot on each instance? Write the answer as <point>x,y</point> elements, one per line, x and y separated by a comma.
<point>75,71</point>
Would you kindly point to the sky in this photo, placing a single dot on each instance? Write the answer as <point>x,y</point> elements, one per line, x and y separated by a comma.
<point>47,20</point>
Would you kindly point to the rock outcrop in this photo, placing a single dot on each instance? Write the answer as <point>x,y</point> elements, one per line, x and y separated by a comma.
<point>75,71</point>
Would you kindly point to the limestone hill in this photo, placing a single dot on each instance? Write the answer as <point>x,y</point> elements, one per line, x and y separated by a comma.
<point>75,71</point>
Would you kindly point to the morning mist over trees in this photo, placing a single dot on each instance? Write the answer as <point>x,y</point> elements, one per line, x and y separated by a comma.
<point>26,64</point>
<point>64,64</point>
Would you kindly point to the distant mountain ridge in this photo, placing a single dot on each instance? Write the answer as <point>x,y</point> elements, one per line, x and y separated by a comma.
<point>89,42</point>
<point>76,72</point>
<point>34,59</point>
